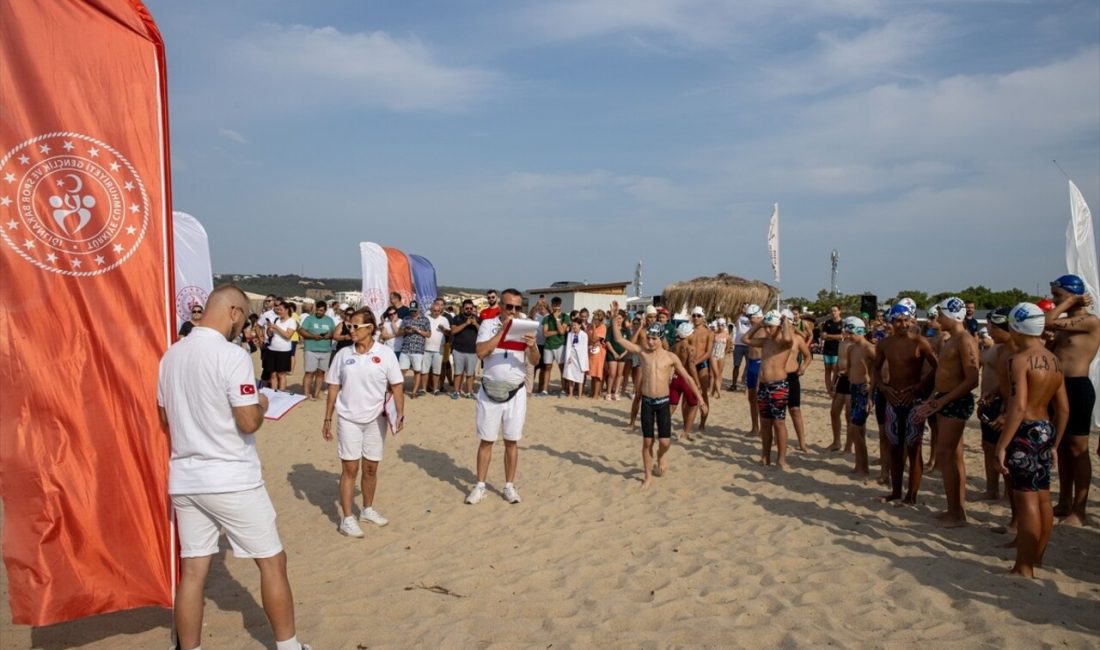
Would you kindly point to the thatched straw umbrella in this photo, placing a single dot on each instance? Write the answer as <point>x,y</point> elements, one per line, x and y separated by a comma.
<point>724,295</point>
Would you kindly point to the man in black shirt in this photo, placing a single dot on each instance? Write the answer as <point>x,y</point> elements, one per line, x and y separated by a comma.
<point>464,348</point>
<point>832,331</point>
<point>969,322</point>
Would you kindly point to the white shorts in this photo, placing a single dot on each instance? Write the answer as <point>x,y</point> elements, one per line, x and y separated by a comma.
<point>432,362</point>
<point>415,362</point>
<point>465,363</point>
<point>317,361</point>
<point>492,417</point>
<point>247,517</point>
<point>355,441</point>
<point>553,356</point>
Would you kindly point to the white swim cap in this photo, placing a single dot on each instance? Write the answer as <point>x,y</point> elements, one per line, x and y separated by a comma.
<point>684,330</point>
<point>1027,319</point>
<point>954,308</point>
<point>650,309</point>
<point>852,323</point>
<point>698,311</point>
<point>752,310</point>
<point>721,321</point>
<point>788,314</point>
<point>933,311</point>
<point>772,318</point>
<point>909,304</point>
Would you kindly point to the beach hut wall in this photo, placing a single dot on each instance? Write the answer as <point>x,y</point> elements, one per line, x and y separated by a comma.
<point>723,295</point>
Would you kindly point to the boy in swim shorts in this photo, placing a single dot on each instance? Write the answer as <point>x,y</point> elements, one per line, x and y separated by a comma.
<point>1024,448</point>
<point>775,339</point>
<point>657,367</point>
<point>861,356</point>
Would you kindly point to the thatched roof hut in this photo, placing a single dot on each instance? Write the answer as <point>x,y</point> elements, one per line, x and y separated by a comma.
<point>723,295</point>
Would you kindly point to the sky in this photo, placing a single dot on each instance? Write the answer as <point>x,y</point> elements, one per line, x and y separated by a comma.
<point>526,142</point>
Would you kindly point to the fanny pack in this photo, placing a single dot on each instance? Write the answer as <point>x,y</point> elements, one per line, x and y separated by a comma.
<point>501,391</point>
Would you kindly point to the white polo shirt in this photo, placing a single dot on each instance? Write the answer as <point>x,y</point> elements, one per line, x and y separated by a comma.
<point>363,380</point>
<point>202,377</point>
<point>740,329</point>
<point>501,365</point>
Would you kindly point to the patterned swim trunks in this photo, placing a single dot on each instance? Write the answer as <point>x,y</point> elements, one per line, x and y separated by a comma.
<point>860,400</point>
<point>960,409</point>
<point>771,400</point>
<point>901,426</point>
<point>1028,457</point>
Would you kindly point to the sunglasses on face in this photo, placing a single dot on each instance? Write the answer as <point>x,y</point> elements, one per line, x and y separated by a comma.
<point>196,311</point>
<point>512,307</point>
<point>357,326</point>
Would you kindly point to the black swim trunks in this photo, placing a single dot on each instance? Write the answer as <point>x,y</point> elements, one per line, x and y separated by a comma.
<point>987,413</point>
<point>703,365</point>
<point>859,411</point>
<point>843,386</point>
<point>880,407</point>
<point>794,385</point>
<point>1082,399</point>
<point>656,409</point>
<point>959,409</point>
<point>1028,457</point>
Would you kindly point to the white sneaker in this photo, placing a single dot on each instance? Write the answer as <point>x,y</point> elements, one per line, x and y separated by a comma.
<point>350,527</point>
<point>511,495</point>
<point>371,515</point>
<point>475,495</point>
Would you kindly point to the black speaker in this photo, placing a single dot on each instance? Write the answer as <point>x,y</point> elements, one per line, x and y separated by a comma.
<point>658,301</point>
<point>868,304</point>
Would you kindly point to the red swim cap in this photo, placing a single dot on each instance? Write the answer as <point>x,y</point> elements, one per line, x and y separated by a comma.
<point>1046,304</point>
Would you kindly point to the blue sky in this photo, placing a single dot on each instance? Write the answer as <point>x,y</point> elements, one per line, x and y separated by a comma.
<point>524,142</point>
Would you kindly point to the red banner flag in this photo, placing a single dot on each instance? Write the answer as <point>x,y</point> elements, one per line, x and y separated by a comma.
<point>85,257</point>
<point>401,279</point>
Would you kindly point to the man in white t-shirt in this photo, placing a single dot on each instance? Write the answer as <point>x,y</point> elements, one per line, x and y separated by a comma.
<point>439,326</point>
<point>740,349</point>
<point>208,403</point>
<point>502,400</point>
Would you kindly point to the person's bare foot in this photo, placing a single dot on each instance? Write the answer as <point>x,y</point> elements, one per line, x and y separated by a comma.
<point>882,480</point>
<point>764,461</point>
<point>645,483</point>
<point>1020,573</point>
<point>834,447</point>
<point>803,447</point>
<point>989,496</point>
<point>662,469</point>
<point>887,498</point>
<point>1073,520</point>
<point>952,522</point>
<point>782,464</point>
<point>632,427</point>
<point>1062,510</point>
<point>861,473</point>
<point>1001,530</point>
<point>755,433</point>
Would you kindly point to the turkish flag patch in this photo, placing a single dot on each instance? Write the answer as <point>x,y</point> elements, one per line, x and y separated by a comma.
<point>248,389</point>
<point>376,359</point>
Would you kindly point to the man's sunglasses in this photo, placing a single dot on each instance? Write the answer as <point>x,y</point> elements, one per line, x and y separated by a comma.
<point>355,326</point>
<point>196,311</point>
<point>512,307</point>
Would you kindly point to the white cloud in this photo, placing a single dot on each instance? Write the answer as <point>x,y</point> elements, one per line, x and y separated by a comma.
<point>230,134</point>
<point>601,184</point>
<point>300,66</point>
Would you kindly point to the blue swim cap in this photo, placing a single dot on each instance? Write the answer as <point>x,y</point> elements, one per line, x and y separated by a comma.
<point>898,311</point>
<point>1070,283</point>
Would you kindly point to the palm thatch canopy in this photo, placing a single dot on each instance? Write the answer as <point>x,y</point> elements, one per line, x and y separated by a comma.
<point>723,295</point>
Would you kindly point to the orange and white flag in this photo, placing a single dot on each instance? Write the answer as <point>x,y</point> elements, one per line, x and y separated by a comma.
<point>85,257</point>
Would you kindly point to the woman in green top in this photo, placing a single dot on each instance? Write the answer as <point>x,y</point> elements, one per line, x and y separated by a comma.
<point>616,359</point>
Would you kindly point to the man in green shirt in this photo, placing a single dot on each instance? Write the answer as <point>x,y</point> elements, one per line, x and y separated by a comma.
<point>554,328</point>
<point>316,331</point>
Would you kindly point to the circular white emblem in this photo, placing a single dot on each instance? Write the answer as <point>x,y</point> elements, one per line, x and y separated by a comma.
<point>188,297</point>
<point>71,204</point>
<point>375,299</point>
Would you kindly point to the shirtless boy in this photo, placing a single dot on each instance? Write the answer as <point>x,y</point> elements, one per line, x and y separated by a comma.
<point>906,355</point>
<point>842,388</point>
<point>677,387</point>
<point>953,404</point>
<point>702,344</point>
<point>861,356</point>
<point>1024,448</point>
<point>990,403</point>
<point>638,339</point>
<point>796,367</point>
<point>752,367</point>
<point>657,367</point>
<point>774,338</point>
<point>1076,339</point>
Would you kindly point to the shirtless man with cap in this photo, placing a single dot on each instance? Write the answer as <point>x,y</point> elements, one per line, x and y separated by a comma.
<point>860,358</point>
<point>1024,448</point>
<point>702,344</point>
<point>657,368</point>
<point>796,367</point>
<point>990,402</point>
<point>1076,339</point>
<point>775,343</point>
<point>906,354</point>
<point>752,366</point>
<point>953,404</point>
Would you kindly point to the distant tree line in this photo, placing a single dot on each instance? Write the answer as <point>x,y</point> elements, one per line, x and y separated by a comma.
<point>983,298</point>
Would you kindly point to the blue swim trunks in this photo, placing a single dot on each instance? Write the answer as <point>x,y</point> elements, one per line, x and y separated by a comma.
<point>752,374</point>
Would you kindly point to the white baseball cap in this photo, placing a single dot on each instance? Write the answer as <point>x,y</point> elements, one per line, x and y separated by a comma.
<point>650,309</point>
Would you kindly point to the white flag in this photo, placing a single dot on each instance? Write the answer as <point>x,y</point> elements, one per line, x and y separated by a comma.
<point>1081,261</point>
<point>194,277</point>
<point>376,277</point>
<point>773,241</point>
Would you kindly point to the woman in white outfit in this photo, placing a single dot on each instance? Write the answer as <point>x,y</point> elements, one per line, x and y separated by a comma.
<point>576,358</point>
<point>358,379</point>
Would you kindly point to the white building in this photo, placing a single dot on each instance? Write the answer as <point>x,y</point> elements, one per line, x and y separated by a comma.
<point>582,296</point>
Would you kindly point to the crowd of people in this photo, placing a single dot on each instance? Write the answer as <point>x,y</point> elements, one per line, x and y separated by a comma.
<point>1029,364</point>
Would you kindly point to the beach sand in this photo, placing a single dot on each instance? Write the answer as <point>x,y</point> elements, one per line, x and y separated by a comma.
<point>720,552</point>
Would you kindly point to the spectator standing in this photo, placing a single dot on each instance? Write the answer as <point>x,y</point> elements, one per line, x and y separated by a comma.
<point>464,328</point>
<point>439,326</point>
<point>416,329</point>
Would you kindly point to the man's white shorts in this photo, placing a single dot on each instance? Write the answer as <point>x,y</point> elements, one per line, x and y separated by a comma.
<point>317,361</point>
<point>465,363</point>
<point>553,356</point>
<point>493,418</point>
<point>412,361</point>
<point>247,517</point>
<point>433,362</point>
<point>355,440</point>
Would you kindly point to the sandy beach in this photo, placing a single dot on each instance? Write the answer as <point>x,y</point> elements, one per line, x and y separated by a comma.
<point>719,553</point>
